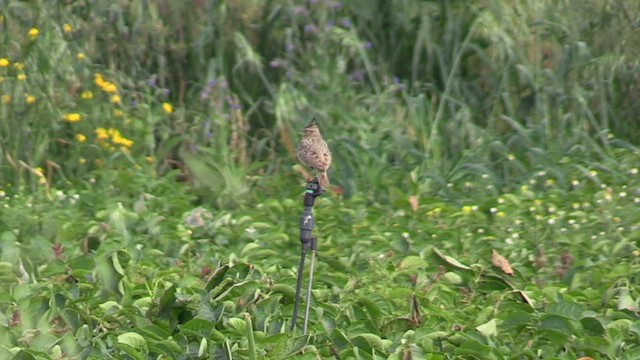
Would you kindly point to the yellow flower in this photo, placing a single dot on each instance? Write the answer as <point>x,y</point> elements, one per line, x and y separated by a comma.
<point>167,108</point>
<point>81,138</point>
<point>120,140</point>
<point>435,212</point>
<point>98,162</point>
<point>18,66</point>
<point>72,118</point>
<point>67,28</point>
<point>33,33</point>
<point>87,95</point>
<point>101,134</point>
<point>82,161</point>
<point>115,99</point>
<point>118,113</point>
<point>22,77</point>
<point>501,214</point>
<point>150,159</point>
<point>467,209</point>
<point>6,99</point>
<point>109,88</point>
<point>29,99</point>
<point>4,62</point>
<point>80,56</point>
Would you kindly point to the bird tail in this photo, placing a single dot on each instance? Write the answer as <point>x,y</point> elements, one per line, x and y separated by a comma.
<point>323,179</point>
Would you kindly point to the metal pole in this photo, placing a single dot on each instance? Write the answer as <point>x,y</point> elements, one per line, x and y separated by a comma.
<point>308,243</point>
<point>296,304</point>
<point>309,286</point>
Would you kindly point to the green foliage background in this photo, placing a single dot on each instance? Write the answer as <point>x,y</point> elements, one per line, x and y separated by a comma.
<point>150,196</point>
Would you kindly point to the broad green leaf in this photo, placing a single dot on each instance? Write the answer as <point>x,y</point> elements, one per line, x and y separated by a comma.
<point>129,350</point>
<point>451,261</point>
<point>197,327</point>
<point>216,278</point>
<point>568,310</point>
<point>371,341</point>
<point>592,325</point>
<point>132,339</point>
<point>239,325</point>
<point>286,290</point>
<point>489,328</point>
<point>412,262</point>
<point>515,319</point>
<point>556,323</point>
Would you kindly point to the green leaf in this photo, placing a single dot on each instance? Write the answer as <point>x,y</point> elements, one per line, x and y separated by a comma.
<point>489,328</point>
<point>474,348</point>
<point>515,319</point>
<point>557,323</point>
<point>412,262</point>
<point>286,290</point>
<point>592,325</point>
<point>239,325</point>
<point>371,341</point>
<point>197,327</point>
<point>129,350</point>
<point>372,310</point>
<point>133,339</point>
<point>216,278</point>
<point>568,310</point>
<point>451,261</point>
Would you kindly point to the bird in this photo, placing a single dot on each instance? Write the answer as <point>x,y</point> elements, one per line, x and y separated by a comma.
<point>314,152</point>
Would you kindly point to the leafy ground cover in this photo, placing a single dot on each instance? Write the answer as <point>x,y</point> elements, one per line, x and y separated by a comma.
<point>152,276</point>
<point>485,162</point>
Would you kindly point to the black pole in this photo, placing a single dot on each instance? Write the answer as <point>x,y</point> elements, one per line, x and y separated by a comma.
<point>308,243</point>
<point>296,304</point>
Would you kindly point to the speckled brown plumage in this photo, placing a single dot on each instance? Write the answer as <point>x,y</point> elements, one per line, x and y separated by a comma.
<point>314,152</point>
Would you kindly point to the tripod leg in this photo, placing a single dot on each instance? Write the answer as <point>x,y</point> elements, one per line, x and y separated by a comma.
<point>309,286</point>
<point>296,304</point>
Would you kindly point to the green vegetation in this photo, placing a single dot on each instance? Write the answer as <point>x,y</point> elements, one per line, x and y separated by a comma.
<point>485,171</point>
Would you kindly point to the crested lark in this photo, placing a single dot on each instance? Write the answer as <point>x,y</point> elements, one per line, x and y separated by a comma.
<point>314,152</point>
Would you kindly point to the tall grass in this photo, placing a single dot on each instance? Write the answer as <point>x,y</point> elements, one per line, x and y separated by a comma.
<point>408,93</point>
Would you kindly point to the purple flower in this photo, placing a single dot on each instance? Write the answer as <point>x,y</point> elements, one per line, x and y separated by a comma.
<point>232,104</point>
<point>211,83</point>
<point>356,76</point>
<point>204,94</point>
<point>290,47</point>
<point>152,82</point>
<point>300,11</point>
<point>309,28</point>
<point>166,91</point>
<point>368,45</point>
<point>329,26</point>
<point>337,5</point>
<point>275,63</point>
<point>397,81</point>
<point>346,23</point>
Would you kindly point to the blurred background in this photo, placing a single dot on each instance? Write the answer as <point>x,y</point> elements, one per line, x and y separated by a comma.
<point>411,95</point>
